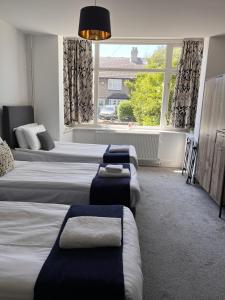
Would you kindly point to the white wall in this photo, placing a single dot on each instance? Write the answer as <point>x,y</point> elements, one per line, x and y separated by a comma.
<point>47,82</point>
<point>62,135</point>
<point>13,71</point>
<point>216,56</point>
<point>213,64</point>
<point>171,148</point>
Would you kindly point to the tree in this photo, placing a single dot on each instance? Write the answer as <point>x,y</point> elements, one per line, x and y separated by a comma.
<point>146,97</point>
<point>125,111</point>
<point>158,59</point>
<point>176,56</point>
<point>146,91</point>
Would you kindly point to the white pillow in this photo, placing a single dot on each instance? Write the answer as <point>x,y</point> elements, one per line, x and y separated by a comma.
<point>30,134</point>
<point>1,140</point>
<point>20,135</point>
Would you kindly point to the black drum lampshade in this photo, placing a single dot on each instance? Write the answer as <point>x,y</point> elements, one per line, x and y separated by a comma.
<point>94,23</point>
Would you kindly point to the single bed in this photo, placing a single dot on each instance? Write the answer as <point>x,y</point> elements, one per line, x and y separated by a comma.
<point>70,152</point>
<point>28,232</point>
<point>56,182</point>
<point>15,116</point>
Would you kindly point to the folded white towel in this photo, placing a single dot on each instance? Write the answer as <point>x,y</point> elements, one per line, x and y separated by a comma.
<point>114,168</point>
<point>104,173</point>
<point>118,148</point>
<point>91,232</point>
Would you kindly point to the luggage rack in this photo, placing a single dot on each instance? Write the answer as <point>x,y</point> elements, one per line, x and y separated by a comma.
<point>190,160</point>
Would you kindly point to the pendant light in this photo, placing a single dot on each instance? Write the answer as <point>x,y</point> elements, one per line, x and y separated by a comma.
<point>94,23</point>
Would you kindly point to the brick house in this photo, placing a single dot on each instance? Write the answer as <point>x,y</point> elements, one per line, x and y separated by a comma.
<point>112,89</point>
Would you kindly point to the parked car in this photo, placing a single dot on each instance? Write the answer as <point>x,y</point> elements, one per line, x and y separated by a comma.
<point>108,113</point>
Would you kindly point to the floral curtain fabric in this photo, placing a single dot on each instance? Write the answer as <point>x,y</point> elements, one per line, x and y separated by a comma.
<point>185,96</point>
<point>78,81</point>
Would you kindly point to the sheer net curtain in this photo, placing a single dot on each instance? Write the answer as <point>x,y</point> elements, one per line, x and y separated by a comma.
<point>78,81</point>
<point>185,96</point>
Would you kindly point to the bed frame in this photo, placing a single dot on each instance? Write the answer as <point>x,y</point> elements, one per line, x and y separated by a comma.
<point>12,117</point>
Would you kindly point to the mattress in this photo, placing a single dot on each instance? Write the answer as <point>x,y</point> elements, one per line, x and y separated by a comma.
<point>70,152</point>
<point>55,182</point>
<point>28,232</point>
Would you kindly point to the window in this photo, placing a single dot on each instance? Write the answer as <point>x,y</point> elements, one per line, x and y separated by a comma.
<point>101,102</point>
<point>139,79</point>
<point>114,102</point>
<point>114,84</point>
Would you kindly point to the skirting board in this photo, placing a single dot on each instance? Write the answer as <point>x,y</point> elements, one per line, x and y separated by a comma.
<point>149,163</point>
<point>159,163</point>
<point>171,164</point>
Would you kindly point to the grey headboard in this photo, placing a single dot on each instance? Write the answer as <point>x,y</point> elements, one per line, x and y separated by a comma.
<point>12,117</point>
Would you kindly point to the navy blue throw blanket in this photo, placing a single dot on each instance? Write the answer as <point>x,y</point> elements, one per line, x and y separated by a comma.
<point>122,157</point>
<point>83,274</point>
<point>110,190</point>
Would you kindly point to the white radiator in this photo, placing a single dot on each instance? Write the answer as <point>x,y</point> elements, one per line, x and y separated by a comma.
<point>146,144</point>
<point>164,148</point>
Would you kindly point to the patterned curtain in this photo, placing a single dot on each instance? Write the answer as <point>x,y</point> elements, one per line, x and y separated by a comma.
<point>78,81</point>
<point>185,96</point>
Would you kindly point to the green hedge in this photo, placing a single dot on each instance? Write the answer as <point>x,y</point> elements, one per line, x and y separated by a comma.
<point>125,111</point>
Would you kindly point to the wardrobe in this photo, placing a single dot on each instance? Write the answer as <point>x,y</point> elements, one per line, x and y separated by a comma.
<point>211,149</point>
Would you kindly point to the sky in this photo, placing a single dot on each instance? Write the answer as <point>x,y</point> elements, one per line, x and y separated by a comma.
<point>118,50</point>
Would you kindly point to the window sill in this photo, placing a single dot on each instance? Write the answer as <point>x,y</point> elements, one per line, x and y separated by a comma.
<point>67,129</point>
<point>126,130</point>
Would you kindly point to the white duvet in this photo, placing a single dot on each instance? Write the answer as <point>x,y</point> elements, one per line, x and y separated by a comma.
<point>55,182</point>
<point>70,152</point>
<point>28,232</point>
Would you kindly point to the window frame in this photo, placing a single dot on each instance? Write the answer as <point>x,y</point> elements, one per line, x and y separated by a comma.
<point>168,71</point>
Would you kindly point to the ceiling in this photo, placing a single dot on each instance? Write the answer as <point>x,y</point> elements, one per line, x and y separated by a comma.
<point>129,18</point>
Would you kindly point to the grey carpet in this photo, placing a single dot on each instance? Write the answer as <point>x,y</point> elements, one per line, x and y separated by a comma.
<point>182,239</point>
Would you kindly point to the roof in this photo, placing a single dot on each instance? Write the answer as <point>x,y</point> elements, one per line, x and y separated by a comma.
<point>122,63</point>
<point>116,74</point>
<point>120,96</point>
